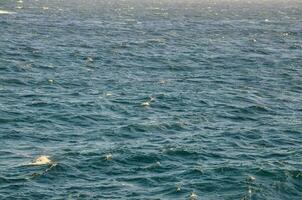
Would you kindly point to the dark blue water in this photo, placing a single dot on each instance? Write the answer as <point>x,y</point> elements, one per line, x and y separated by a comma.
<point>151,99</point>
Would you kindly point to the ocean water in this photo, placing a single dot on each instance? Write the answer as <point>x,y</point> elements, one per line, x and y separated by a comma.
<point>151,99</point>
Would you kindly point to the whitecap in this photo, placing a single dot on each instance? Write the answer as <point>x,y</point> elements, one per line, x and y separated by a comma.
<point>152,99</point>
<point>5,12</point>
<point>193,196</point>
<point>127,184</point>
<point>162,81</point>
<point>108,156</point>
<point>147,103</point>
<point>41,160</point>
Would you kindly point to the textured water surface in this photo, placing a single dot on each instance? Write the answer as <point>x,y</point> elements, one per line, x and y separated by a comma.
<point>151,99</point>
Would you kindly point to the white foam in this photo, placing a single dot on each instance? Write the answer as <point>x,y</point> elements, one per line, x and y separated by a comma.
<point>41,160</point>
<point>152,98</point>
<point>5,12</point>
<point>162,81</point>
<point>108,156</point>
<point>193,196</point>
<point>147,103</point>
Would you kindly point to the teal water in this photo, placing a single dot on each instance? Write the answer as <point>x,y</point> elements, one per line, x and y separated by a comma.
<point>151,99</point>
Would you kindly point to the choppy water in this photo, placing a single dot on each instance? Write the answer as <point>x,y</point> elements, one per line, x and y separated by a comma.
<point>150,99</point>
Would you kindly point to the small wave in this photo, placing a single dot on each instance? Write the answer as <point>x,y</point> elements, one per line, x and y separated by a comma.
<point>5,12</point>
<point>41,160</point>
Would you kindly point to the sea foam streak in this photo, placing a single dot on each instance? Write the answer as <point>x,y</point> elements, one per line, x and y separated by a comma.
<point>4,12</point>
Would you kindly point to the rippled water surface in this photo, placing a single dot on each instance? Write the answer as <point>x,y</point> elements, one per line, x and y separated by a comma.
<point>151,99</point>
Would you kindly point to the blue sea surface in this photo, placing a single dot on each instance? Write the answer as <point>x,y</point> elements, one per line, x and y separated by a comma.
<point>151,99</point>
